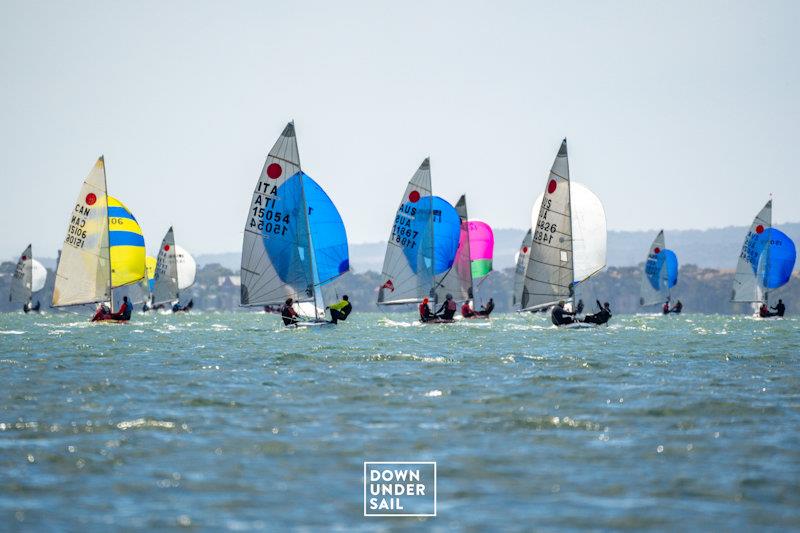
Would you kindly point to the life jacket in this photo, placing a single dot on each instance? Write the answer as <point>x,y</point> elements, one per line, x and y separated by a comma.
<point>451,305</point>
<point>466,310</point>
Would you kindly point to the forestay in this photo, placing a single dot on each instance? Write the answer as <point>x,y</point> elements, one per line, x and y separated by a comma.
<point>260,282</point>
<point>84,271</point>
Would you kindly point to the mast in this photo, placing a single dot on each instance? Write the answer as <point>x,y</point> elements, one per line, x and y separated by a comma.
<point>108,237</point>
<point>433,249</point>
<point>311,256</point>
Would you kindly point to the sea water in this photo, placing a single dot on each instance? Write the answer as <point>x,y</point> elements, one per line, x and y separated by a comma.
<point>229,421</point>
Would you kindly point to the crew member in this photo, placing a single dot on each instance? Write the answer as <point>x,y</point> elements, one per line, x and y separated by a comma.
<point>780,308</point>
<point>466,310</point>
<point>677,308</point>
<point>448,309</point>
<point>487,309</point>
<point>425,311</point>
<point>288,314</point>
<point>124,312</point>
<point>600,317</point>
<point>561,316</point>
<point>341,310</point>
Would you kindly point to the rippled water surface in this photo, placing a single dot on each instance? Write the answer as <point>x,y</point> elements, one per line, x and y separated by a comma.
<point>226,421</point>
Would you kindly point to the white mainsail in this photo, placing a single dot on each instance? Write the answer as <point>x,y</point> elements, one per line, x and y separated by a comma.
<point>648,295</point>
<point>165,285</point>
<point>549,275</point>
<point>84,268</point>
<point>745,283</point>
<point>401,284</point>
<point>261,284</point>
<point>568,243</point>
<point>522,264</point>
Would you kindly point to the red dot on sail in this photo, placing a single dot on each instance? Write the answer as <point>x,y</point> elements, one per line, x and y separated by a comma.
<point>759,229</point>
<point>166,247</point>
<point>551,187</point>
<point>91,198</point>
<point>24,257</point>
<point>656,250</point>
<point>413,197</point>
<point>524,249</point>
<point>274,171</point>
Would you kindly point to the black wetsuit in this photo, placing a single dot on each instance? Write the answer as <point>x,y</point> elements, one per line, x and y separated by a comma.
<point>289,315</point>
<point>677,309</point>
<point>780,308</point>
<point>561,316</point>
<point>341,314</point>
<point>487,310</point>
<point>600,317</point>
<point>447,310</point>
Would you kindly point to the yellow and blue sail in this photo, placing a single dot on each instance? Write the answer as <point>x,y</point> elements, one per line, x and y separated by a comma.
<point>126,242</point>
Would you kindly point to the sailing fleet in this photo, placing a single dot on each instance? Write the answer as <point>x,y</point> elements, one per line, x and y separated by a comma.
<point>295,251</point>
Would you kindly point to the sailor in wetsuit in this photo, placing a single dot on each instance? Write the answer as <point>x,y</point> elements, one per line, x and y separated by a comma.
<point>467,311</point>
<point>600,317</point>
<point>288,314</point>
<point>579,307</point>
<point>487,309</point>
<point>561,316</point>
<point>665,309</point>
<point>448,309</point>
<point>780,308</point>
<point>125,310</point>
<point>425,311</point>
<point>341,310</point>
<point>677,308</point>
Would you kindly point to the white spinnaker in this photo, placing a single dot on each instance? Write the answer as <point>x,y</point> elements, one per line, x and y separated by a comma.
<point>261,284</point>
<point>38,276</point>
<point>458,280</point>
<point>399,283</point>
<point>187,267</point>
<point>647,294</point>
<point>84,273</point>
<point>21,283</point>
<point>165,282</point>
<point>745,283</point>
<point>588,232</point>
<point>549,275</point>
<point>523,254</point>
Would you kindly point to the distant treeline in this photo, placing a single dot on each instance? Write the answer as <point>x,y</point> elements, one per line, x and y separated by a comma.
<point>702,290</point>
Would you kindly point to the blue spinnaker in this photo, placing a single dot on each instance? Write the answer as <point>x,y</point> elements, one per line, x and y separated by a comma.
<point>433,212</point>
<point>285,236</point>
<point>287,239</point>
<point>328,235</point>
<point>776,258</point>
<point>663,265</point>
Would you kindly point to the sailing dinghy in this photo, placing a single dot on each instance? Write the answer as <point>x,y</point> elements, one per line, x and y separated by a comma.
<point>103,249</point>
<point>422,249</point>
<point>660,273</point>
<point>29,278</point>
<point>765,262</point>
<point>295,243</point>
<point>568,243</point>
<point>522,265</point>
<point>175,271</point>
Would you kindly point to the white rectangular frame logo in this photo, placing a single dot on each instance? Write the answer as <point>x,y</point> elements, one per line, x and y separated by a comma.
<point>366,514</point>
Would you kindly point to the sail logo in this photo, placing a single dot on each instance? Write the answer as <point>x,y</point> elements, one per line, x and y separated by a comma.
<point>399,488</point>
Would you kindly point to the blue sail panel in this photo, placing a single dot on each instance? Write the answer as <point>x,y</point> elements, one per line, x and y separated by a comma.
<point>777,255</point>
<point>435,219</point>
<point>328,234</point>
<point>285,236</point>
<point>671,264</point>
<point>662,268</point>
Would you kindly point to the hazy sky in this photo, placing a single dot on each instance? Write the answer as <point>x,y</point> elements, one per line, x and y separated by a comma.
<point>681,115</point>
